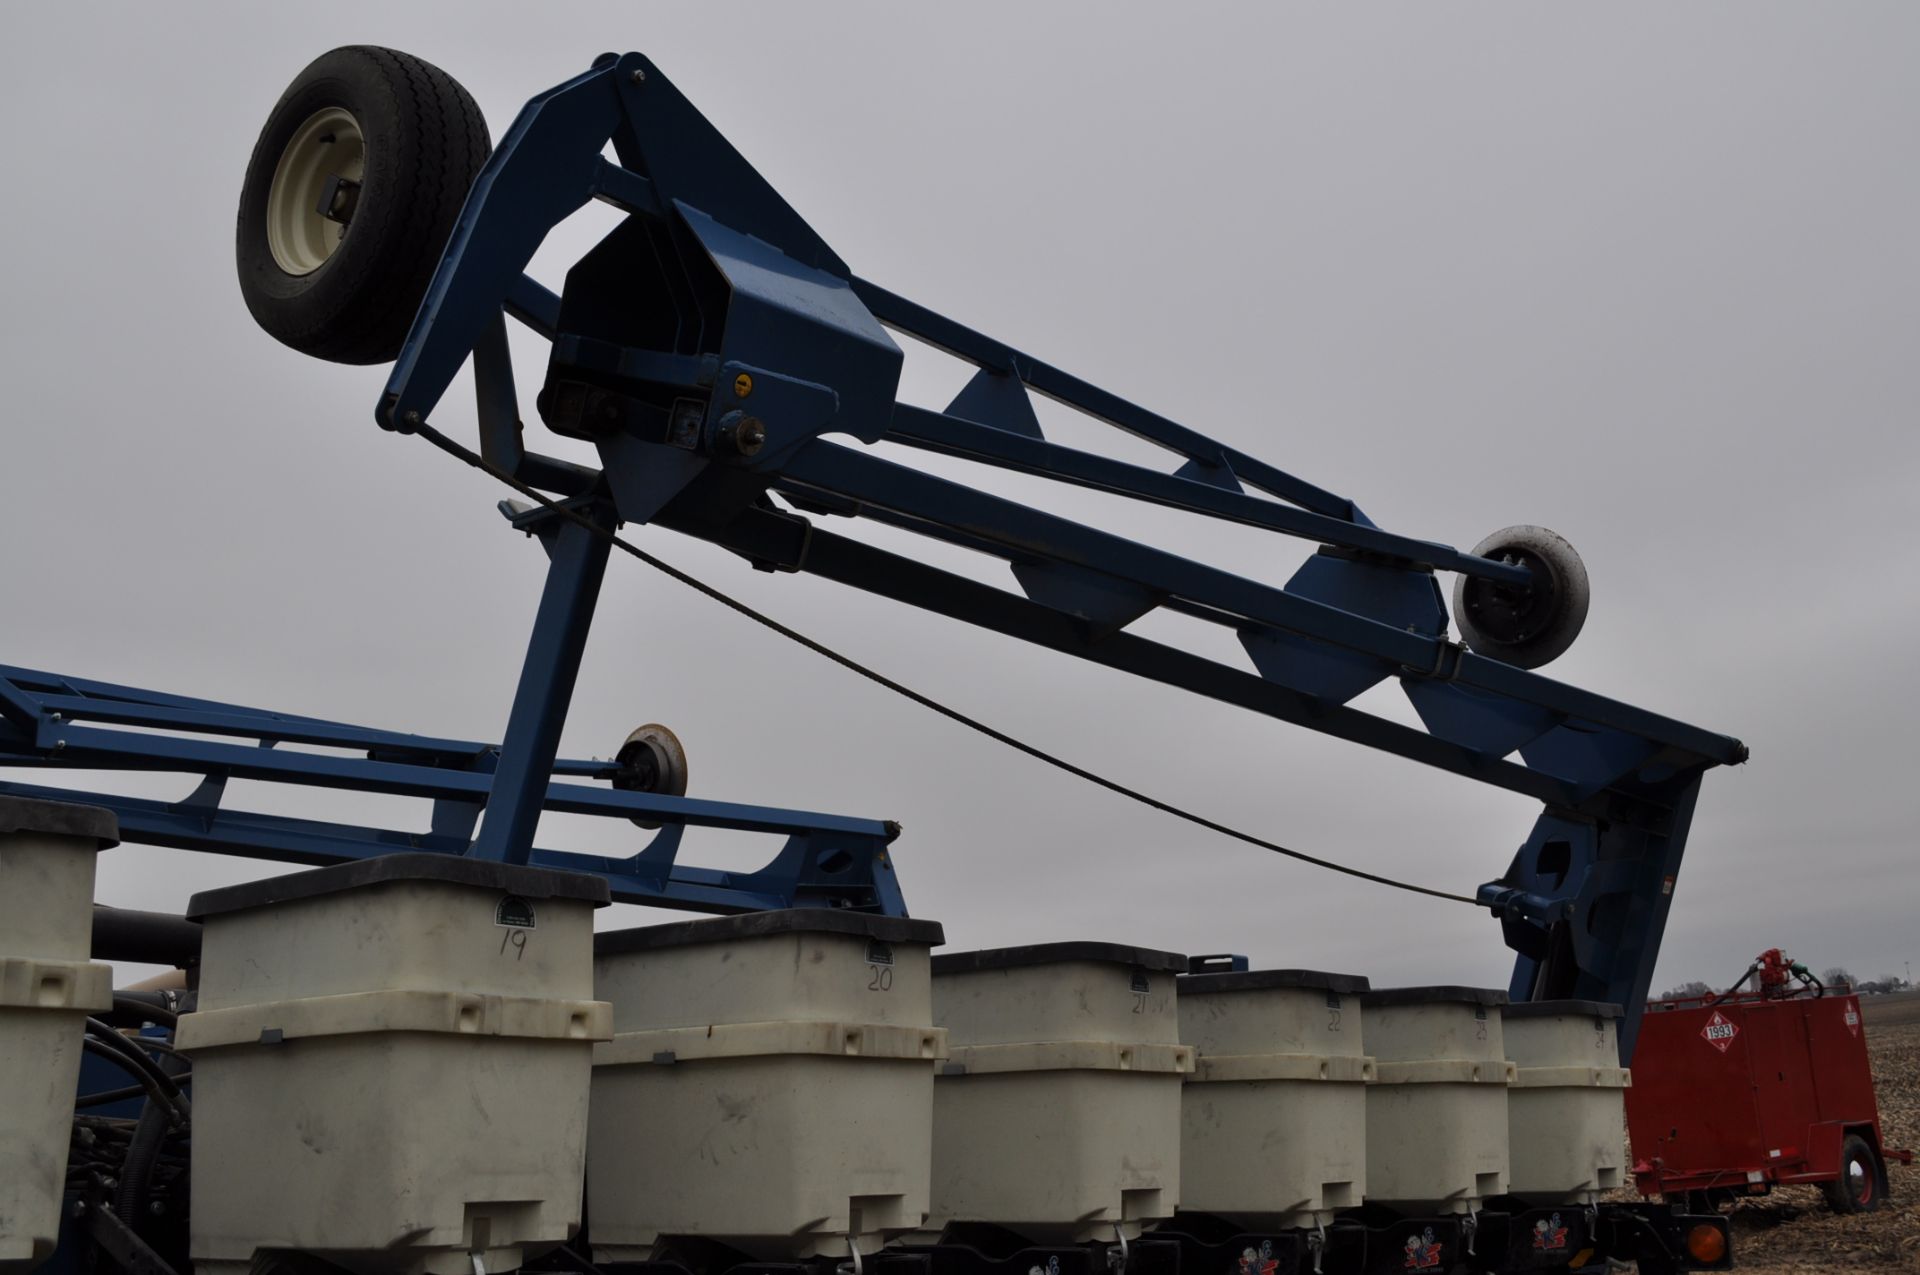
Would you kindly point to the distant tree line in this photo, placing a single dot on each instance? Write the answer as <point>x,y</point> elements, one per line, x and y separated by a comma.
<point>1870,987</point>
<point>1880,986</point>
<point>1836,977</point>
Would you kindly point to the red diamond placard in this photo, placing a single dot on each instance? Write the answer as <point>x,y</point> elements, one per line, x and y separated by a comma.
<point>1720,1031</point>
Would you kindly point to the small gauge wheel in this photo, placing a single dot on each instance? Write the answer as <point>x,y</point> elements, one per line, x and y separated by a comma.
<point>652,760</point>
<point>1524,625</point>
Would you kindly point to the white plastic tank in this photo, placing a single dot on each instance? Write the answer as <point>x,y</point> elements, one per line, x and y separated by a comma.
<point>47,989</point>
<point>1057,1114</point>
<point>1567,1107</point>
<point>391,1062</point>
<point>1274,1116</point>
<point>769,1085</point>
<point>1437,1109</point>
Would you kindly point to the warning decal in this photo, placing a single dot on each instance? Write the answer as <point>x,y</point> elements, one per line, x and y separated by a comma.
<point>1720,1031</point>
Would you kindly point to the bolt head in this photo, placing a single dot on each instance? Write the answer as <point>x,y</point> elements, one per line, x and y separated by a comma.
<point>638,76</point>
<point>741,434</point>
<point>742,385</point>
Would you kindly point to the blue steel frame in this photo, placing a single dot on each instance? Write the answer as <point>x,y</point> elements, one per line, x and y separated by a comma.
<point>714,314</point>
<point>50,721</point>
<point>707,347</point>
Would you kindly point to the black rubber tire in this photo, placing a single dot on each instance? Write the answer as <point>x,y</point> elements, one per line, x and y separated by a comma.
<point>1843,1194</point>
<point>425,142</point>
<point>1524,627</point>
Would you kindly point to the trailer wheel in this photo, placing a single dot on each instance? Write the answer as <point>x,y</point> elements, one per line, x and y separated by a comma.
<point>1862,1183</point>
<point>354,186</point>
<point>1525,627</point>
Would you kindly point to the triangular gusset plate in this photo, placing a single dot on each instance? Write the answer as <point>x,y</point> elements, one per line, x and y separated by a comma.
<point>997,400</point>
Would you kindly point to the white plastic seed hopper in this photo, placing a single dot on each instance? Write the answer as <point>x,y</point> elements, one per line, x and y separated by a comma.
<point>391,1062</point>
<point>1274,1116</point>
<point>1057,1115</point>
<point>47,989</point>
<point>769,1085</point>
<point>1437,1110</point>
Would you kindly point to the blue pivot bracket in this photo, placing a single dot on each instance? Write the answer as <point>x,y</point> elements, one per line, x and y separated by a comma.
<point>50,722</point>
<point>733,374</point>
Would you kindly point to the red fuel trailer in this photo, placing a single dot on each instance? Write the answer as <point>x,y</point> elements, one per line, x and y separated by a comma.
<point>1735,1093</point>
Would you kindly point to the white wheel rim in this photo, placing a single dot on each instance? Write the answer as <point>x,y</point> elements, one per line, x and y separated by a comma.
<point>329,144</point>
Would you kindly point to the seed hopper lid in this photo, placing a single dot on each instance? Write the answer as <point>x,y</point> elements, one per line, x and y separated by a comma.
<point>753,925</point>
<point>59,819</point>
<point>1264,980</point>
<point>486,874</point>
<point>1008,958</point>
<point>1389,997</point>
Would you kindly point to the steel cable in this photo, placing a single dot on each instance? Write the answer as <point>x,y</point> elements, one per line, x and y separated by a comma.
<point>486,466</point>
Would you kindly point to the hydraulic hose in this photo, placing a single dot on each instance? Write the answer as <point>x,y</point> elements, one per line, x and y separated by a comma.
<point>1720,999</point>
<point>109,1043</point>
<point>152,1007</point>
<point>143,1150</point>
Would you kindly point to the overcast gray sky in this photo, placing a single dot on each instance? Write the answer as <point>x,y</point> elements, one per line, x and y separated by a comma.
<point>1644,274</point>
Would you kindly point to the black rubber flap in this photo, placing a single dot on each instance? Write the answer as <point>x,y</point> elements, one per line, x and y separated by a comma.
<point>1551,1009</point>
<point>509,878</point>
<point>59,819</point>
<point>1010,958</point>
<point>1263,980</point>
<point>1387,996</point>
<point>753,925</point>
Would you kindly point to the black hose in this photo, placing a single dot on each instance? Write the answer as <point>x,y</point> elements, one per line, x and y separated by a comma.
<point>109,1043</point>
<point>106,1097</point>
<point>1716,1002</point>
<point>153,1090</point>
<point>143,1151</point>
<point>153,1007</point>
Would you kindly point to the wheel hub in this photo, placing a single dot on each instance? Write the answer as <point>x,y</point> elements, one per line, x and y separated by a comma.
<point>1510,613</point>
<point>315,189</point>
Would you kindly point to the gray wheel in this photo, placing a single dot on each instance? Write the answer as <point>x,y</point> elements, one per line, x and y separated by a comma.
<point>652,760</point>
<point>1524,626</point>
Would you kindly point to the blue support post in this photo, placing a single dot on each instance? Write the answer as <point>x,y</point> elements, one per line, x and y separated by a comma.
<point>579,563</point>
